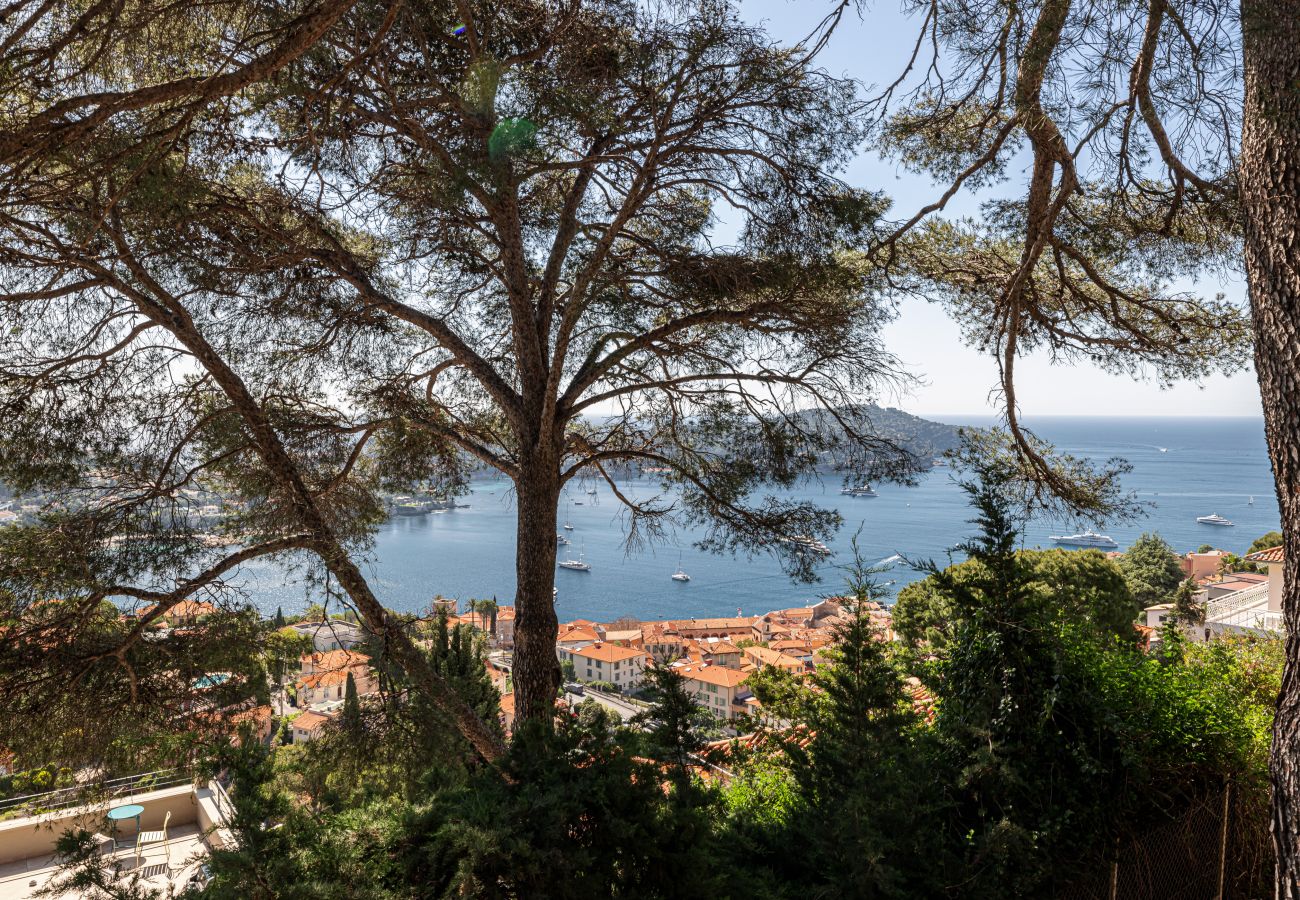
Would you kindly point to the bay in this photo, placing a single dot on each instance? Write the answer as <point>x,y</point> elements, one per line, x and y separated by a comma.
<point>1208,465</point>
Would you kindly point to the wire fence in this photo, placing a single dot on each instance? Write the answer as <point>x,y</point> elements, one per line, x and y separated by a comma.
<point>1218,848</point>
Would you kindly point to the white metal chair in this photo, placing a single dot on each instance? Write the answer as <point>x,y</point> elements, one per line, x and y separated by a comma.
<point>154,837</point>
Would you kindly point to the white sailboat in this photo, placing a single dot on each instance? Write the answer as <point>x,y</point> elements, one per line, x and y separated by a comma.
<point>576,565</point>
<point>679,575</point>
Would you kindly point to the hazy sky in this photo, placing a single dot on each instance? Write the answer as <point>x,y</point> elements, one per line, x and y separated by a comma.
<point>956,378</point>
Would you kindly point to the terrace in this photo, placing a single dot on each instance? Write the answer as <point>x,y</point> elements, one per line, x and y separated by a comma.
<point>1244,610</point>
<point>197,824</point>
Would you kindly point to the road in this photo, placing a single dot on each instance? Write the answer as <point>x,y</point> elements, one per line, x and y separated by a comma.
<point>624,708</point>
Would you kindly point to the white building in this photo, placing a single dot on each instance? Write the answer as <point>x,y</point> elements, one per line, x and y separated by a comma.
<point>621,666</point>
<point>334,634</point>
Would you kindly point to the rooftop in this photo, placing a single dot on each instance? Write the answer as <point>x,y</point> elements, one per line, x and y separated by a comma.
<point>718,675</point>
<point>1271,555</point>
<point>608,653</point>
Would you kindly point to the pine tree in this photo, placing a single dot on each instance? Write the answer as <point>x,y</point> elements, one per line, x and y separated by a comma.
<point>278,621</point>
<point>351,706</point>
<point>673,725</point>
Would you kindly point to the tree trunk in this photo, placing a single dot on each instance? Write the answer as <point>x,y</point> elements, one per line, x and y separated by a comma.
<point>536,670</point>
<point>1270,193</point>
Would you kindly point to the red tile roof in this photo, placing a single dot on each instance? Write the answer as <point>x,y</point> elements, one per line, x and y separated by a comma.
<point>310,721</point>
<point>1271,555</point>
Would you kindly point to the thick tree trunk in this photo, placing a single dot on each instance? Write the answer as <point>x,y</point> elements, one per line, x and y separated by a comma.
<point>536,670</point>
<point>1270,192</point>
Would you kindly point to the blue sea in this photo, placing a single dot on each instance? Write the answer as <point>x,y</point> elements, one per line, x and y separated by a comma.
<point>1209,465</point>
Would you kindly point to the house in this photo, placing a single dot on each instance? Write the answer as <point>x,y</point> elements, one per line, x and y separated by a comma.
<point>625,637</point>
<point>325,686</point>
<point>1254,607</point>
<point>307,726</point>
<point>575,637</point>
<point>715,651</point>
<point>764,656</point>
<point>504,636</point>
<point>331,661</point>
<point>331,634</point>
<point>716,688</point>
<point>187,612</point>
<point>621,666</point>
<point>739,627</point>
<point>663,645</point>
<point>1202,565</point>
<point>256,721</point>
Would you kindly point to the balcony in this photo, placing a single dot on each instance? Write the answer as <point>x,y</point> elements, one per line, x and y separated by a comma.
<point>198,817</point>
<point>1244,610</point>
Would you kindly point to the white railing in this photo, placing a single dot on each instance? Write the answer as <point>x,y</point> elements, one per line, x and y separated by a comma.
<point>1239,607</point>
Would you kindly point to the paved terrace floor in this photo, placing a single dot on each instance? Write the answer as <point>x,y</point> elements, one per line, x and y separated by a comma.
<point>159,866</point>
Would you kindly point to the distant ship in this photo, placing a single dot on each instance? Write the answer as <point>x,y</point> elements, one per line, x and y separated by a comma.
<point>805,544</point>
<point>1087,539</point>
<point>575,565</point>
<point>560,539</point>
<point>679,575</point>
<point>1251,501</point>
<point>1213,519</point>
<point>862,490</point>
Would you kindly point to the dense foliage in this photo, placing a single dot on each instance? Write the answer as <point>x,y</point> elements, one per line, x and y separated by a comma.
<point>1008,764</point>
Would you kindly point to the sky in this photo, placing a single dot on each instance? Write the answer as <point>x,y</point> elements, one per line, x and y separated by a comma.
<point>954,378</point>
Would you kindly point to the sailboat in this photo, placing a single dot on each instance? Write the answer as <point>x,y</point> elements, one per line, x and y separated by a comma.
<point>576,565</point>
<point>1251,501</point>
<point>679,575</point>
<point>568,526</point>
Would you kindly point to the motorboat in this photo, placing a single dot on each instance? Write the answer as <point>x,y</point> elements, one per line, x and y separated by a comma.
<point>1086,539</point>
<point>591,492</point>
<point>575,565</point>
<point>1214,519</point>
<point>560,540</point>
<point>862,490</point>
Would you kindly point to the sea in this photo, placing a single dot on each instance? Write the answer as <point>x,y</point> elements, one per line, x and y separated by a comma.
<point>1181,468</point>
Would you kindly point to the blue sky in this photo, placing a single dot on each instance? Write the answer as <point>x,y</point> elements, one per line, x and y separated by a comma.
<point>956,379</point>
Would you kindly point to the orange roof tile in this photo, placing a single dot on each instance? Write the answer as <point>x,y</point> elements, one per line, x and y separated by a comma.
<point>1271,555</point>
<point>718,675</point>
<point>310,721</point>
<point>608,653</point>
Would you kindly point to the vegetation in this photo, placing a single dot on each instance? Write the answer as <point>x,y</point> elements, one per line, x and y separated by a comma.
<point>1151,568</point>
<point>1084,586</point>
<point>303,255</point>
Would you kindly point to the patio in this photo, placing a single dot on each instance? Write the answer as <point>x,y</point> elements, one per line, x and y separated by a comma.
<point>194,816</point>
<point>161,865</point>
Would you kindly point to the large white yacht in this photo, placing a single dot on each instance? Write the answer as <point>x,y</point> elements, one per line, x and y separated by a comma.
<point>862,490</point>
<point>1213,519</point>
<point>1086,539</point>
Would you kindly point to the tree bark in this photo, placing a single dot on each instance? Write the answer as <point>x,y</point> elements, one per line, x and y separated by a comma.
<point>1270,194</point>
<point>536,670</point>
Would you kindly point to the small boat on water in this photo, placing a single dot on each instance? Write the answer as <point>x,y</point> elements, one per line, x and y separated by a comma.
<point>560,539</point>
<point>679,575</point>
<point>591,492</point>
<point>1086,539</point>
<point>568,526</point>
<point>862,490</point>
<point>1251,501</point>
<point>575,565</point>
<point>1214,519</point>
